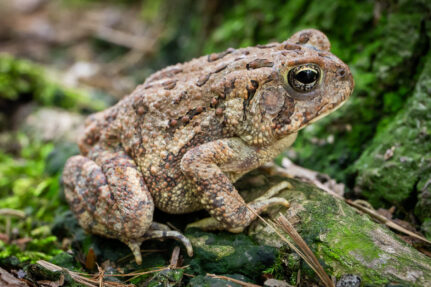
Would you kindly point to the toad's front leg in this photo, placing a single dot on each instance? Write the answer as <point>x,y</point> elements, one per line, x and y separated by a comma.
<point>209,167</point>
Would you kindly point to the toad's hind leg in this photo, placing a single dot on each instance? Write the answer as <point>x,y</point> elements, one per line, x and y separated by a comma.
<point>109,197</point>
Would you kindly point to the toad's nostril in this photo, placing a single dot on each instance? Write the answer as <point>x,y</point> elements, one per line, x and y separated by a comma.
<point>341,73</point>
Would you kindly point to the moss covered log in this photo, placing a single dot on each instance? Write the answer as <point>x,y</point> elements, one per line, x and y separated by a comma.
<point>344,241</point>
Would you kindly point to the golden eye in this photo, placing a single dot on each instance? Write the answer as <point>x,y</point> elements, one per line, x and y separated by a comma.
<point>304,78</point>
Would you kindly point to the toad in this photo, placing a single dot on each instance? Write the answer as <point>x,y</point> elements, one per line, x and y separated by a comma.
<point>183,137</point>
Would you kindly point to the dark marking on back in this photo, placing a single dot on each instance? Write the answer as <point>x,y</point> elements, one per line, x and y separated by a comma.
<point>216,56</point>
<point>259,63</point>
<point>289,46</point>
<point>178,99</point>
<point>169,84</point>
<point>266,46</point>
<point>324,54</point>
<point>194,112</point>
<point>203,79</point>
<point>220,68</point>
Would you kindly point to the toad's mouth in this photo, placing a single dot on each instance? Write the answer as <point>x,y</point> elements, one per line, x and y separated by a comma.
<point>327,112</point>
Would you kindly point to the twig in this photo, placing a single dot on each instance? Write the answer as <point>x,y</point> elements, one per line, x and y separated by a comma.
<point>143,273</point>
<point>12,212</point>
<point>97,279</point>
<point>100,275</point>
<point>8,213</point>
<point>174,258</point>
<point>233,280</point>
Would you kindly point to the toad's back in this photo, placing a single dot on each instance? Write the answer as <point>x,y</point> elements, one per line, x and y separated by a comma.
<point>178,108</point>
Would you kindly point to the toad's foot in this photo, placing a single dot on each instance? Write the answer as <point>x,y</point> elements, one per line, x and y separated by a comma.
<point>159,231</point>
<point>210,223</point>
<point>256,207</point>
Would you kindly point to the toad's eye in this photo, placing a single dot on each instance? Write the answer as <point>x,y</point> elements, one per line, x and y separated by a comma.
<point>304,78</point>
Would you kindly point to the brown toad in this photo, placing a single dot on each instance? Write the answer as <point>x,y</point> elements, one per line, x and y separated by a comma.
<point>181,139</point>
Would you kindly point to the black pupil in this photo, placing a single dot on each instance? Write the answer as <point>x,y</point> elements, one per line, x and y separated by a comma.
<point>306,76</point>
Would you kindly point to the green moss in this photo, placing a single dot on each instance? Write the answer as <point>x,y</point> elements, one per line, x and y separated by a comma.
<point>285,266</point>
<point>38,249</point>
<point>66,260</point>
<point>24,184</point>
<point>393,165</point>
<point>21,79</point>
<point>167,278</point>
<point>344,241</point>
<point>223,253</point>
<point>334,231</point>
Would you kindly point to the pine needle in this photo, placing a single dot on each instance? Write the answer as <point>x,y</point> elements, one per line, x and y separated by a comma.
<point>309,256</point>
